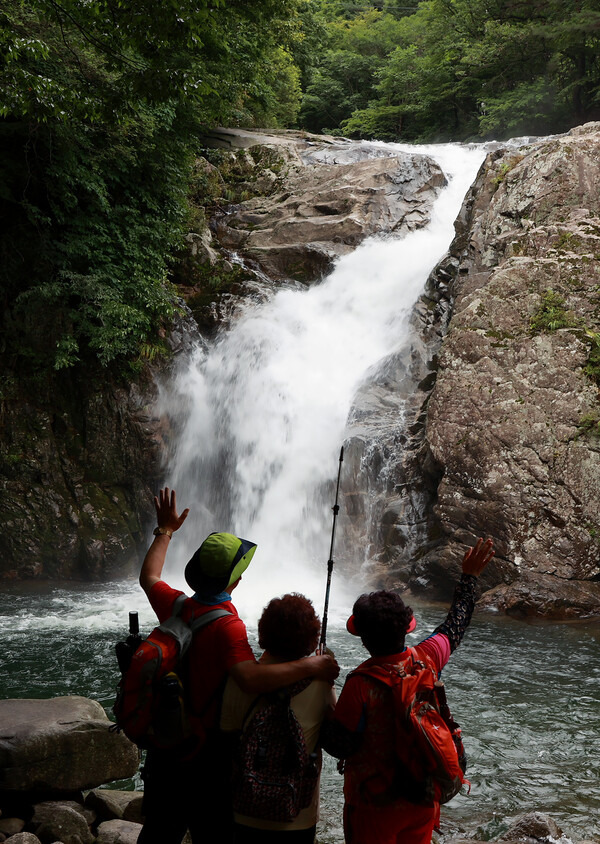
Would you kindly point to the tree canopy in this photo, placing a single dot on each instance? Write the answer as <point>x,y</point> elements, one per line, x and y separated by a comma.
<point>461,69</point>
<point>101,102</point>
<point>100,105</point>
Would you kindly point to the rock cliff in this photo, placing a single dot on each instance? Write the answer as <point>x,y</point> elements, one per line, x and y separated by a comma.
<point>333,197</point>
<point>513,424</point>
<point>78,459</point>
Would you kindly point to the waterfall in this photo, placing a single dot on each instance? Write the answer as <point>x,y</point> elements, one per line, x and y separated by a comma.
<point>261,415</point>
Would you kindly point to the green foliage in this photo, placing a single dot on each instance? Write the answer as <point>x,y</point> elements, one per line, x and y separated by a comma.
<point>552,314</point>
<point>590,424</point>
<point>100,105</point>
<point>344,76</point>
<point>505,169</point>
<point>342,84</point>
<point>460,69</point>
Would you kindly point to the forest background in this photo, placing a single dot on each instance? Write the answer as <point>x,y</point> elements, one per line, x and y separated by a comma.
<point>102,103</point>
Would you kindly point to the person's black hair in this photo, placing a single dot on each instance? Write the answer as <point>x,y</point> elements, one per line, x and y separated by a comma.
<point>381,620</point>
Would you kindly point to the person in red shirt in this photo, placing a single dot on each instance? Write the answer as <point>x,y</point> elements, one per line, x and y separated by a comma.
<point>189,788</point>
<point>382,804</point>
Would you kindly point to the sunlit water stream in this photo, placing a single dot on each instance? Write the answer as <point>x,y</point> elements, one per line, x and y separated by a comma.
<point>261,420</point>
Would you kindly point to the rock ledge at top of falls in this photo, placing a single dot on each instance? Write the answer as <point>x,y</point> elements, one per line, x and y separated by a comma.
<point>513,423</point>
<point>335,193</point>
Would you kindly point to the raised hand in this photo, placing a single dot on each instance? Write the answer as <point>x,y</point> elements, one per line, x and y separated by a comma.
<point>477,557</point>
<point>166,510</point>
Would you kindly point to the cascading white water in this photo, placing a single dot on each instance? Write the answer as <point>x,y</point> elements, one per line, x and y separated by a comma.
<point>264,411</point>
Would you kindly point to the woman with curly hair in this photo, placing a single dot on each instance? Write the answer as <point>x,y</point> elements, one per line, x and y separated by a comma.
<point>383,804</point>
<point>288,630</point>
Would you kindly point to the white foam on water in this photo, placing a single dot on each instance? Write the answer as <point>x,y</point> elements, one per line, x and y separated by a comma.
<point>90,610</point>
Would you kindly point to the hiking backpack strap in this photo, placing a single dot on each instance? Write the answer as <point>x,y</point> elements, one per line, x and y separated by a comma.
<point>182,631</point>
<point>194,626</point>
<point>206,618</point>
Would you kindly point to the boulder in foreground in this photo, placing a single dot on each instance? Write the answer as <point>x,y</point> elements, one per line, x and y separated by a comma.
<point>61,744</point>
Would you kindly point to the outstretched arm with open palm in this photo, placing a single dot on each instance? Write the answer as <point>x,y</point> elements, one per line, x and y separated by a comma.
<point>168,521</point>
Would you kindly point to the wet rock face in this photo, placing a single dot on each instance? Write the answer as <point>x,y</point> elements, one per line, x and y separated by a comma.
<point>332,198</point>
<point>389,475</point>
<point>513,421</point>
<point>80,462</point>
<point>75,474</point>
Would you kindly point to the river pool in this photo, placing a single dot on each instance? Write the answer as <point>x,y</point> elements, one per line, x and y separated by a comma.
<point>526,695</point>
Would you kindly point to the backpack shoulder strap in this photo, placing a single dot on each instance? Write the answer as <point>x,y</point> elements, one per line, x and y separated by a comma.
<point>206,618</point>
<point>183,631</point>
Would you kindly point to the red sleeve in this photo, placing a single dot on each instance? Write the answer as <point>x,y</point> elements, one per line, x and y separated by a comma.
<point>350,706</point>
<point>161,597</point>
<point>233,639</point>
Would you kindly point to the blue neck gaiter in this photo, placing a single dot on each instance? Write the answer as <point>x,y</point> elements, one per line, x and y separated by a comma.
<point>211,600</point>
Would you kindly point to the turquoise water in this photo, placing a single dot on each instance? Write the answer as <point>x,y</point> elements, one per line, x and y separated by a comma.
<point>526,695</point>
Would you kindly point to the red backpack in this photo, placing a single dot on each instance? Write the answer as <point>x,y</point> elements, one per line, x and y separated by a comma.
<point>152,701</point>
<point>427,739</point>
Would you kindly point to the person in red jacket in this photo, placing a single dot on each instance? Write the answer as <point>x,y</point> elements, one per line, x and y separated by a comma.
<point>361,730</point>
<point>189,788</point>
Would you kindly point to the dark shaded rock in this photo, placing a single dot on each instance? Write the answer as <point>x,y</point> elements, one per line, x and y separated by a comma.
<point>534,826</point>
<point>10,826</point>
<point>545,596</point>
<point>76,463</point>
<point>111,804</point>
<point>133,810</point>
<point>118,832</point>
<point>57,821</point>
<point>60,744</point>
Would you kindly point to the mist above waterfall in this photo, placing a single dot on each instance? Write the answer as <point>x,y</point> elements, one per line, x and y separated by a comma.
<point>261,415</point>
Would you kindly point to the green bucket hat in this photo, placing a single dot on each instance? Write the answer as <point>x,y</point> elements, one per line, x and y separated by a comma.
<point>219,561</point>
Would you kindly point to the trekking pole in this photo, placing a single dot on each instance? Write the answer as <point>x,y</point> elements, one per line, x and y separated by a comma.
<point>336,510</point>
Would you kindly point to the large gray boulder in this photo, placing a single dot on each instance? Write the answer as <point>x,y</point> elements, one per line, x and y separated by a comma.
<point>513,419</point>
<point>60,744</point>
<point>57,821</point>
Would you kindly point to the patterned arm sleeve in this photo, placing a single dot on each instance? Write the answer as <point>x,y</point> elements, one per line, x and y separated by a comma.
<point>461,611</point>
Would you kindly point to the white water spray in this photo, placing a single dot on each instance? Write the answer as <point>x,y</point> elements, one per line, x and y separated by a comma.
<point>265,411</point>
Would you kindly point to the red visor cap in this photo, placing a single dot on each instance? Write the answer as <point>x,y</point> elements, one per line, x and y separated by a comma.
<point>352,629</point>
